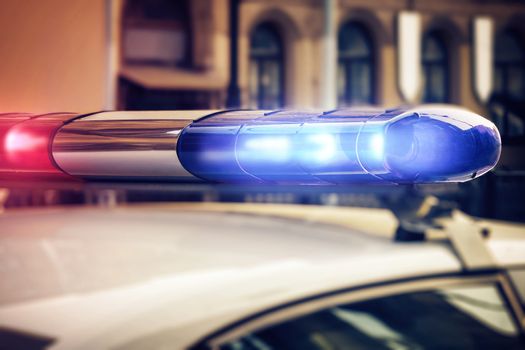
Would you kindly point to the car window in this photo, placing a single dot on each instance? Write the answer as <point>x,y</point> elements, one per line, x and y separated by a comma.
<point>473,317</point>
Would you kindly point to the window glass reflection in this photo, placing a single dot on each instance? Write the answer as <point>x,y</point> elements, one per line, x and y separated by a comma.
<point>266,68</point>
<point>355,67</point>
<point>435,69</point>
<point>474,317</point>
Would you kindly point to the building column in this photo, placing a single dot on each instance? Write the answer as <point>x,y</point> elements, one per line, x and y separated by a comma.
<point>409,55</point>
<point>234,93</point>
<point>113,17</point>
<point>483,31</point>
<point>328,69</point>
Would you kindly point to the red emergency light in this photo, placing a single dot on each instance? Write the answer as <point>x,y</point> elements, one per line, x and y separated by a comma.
<point>26,145</point>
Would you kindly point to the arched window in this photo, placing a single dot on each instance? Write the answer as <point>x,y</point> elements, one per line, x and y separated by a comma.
<point>355,77</point>
<point>509,70</point>
<point>435,69</point>
<point>266,68</point>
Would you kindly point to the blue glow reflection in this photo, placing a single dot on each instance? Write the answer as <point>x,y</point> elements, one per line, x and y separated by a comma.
<point>322,147</point>
<point>271,148</point>
<point>377,144</point>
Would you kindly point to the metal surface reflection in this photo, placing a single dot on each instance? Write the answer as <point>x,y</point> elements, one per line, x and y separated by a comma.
<point>133,145</point>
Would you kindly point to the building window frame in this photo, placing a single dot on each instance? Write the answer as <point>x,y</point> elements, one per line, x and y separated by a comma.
<point>430,65</point>
<point>260,63</point>
<point>136,17</point>
<point>345,94</point>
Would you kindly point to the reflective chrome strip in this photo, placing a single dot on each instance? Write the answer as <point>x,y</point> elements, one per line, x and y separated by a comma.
<point>150,115</point>
<point>124,144</point>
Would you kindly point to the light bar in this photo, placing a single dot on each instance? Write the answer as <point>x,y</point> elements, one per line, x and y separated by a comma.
<point>421,145</point>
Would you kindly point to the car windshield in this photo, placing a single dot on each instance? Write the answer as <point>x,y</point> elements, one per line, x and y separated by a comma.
<point>459,318</point>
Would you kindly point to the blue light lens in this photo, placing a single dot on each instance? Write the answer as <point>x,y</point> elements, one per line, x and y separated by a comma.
<point>426,144</point>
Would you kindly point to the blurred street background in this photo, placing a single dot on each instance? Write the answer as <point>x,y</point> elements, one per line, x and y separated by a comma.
<point>91,55</point>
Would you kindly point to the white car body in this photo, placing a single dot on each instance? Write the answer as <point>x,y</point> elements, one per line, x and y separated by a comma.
<point>167,276</point>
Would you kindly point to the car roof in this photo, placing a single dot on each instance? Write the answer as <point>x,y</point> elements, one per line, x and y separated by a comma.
<point>119,277</point>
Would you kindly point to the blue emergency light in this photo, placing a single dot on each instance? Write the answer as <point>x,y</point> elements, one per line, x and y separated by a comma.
<point>426,144</point>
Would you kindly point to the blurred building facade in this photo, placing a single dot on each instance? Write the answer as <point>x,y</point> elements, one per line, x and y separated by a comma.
<point>89,55</point>
<point>183,47</point>
<point>175,54</point>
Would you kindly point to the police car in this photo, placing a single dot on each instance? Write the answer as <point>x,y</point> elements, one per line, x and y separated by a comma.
<point>256,276</point>
<point>413,275</point>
